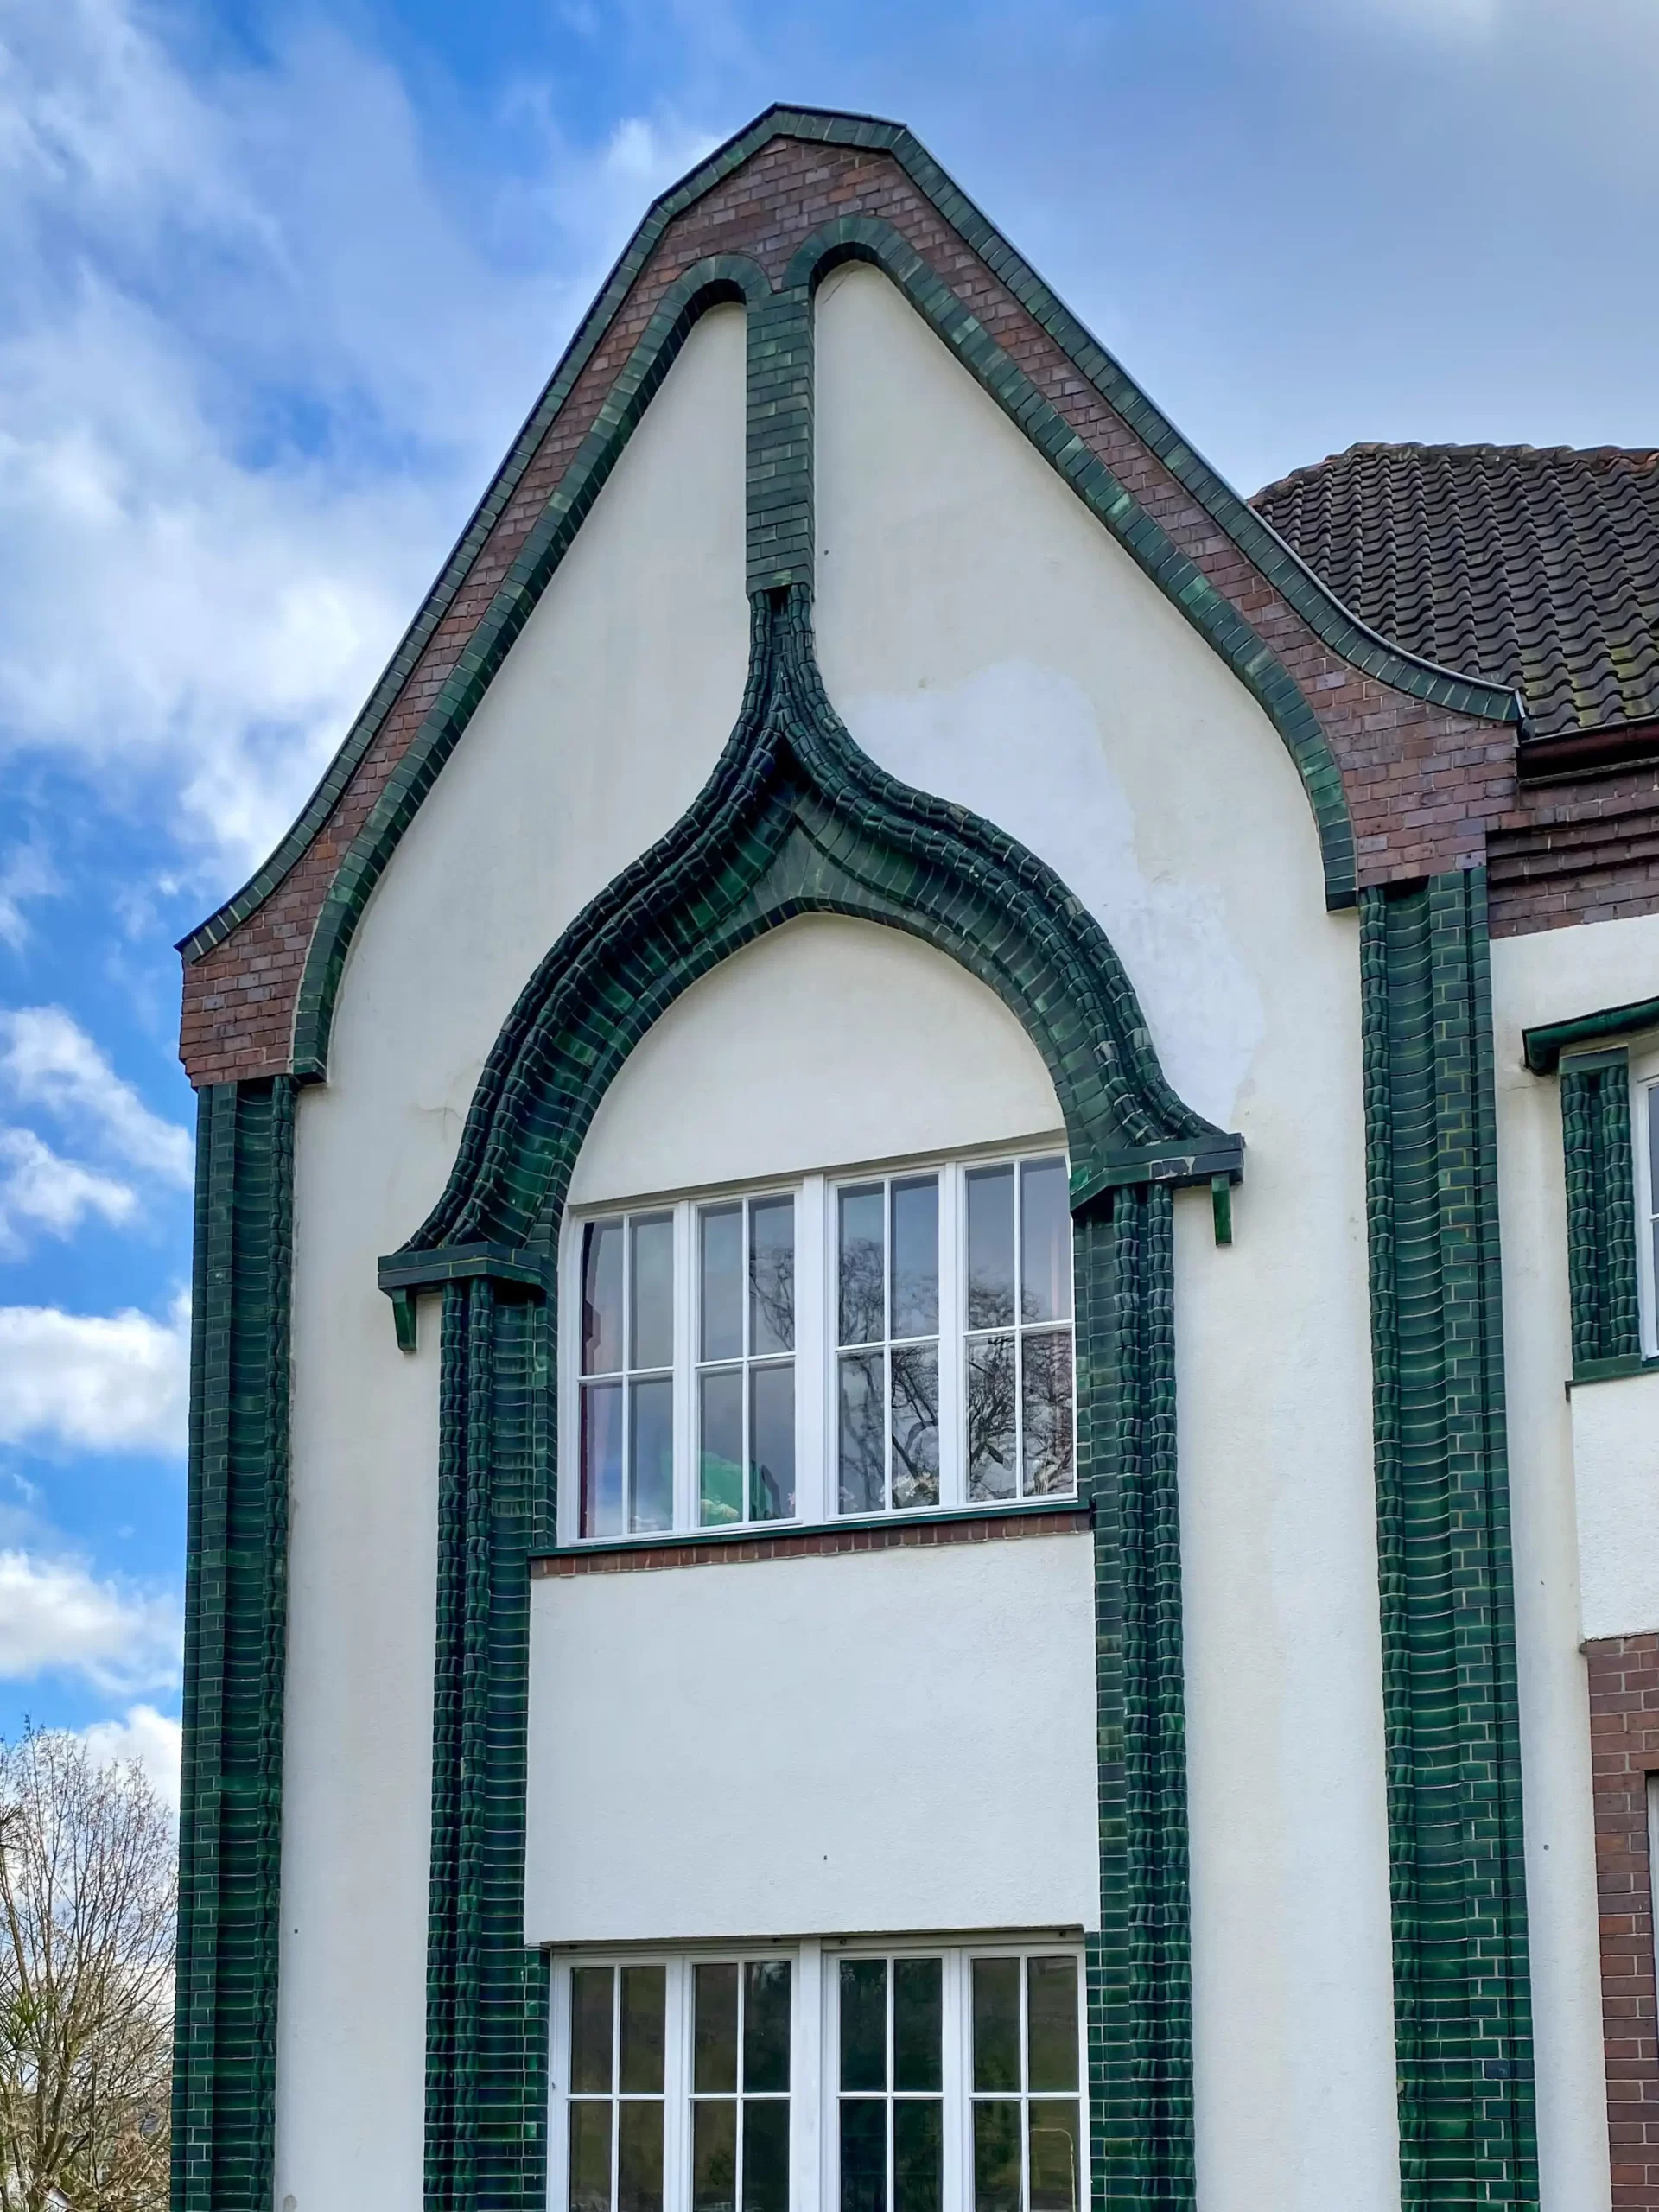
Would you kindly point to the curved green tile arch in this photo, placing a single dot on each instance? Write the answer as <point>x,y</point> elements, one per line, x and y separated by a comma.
<point>796,820</point>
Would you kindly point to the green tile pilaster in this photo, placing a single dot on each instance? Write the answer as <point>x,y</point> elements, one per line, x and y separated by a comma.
<point>1600,1206</point>
<point>1462,1997</point>
<point>780,415</point>
<point>486,1995</point>
<point>1139,1967</point>
<point>224,2079</point>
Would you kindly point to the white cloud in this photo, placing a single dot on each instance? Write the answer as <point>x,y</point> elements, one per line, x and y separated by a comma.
<point>146,1736</point>
<point>25,873</point>
<point>57,1617</point>
<point>258,365</point>
<point>47,1060</point>
<point>100,1383</point>
<point>38,1190</point>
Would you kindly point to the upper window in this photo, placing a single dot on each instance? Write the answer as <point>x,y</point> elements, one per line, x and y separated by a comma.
<point>1647,1199</point>
<point>881,1344</point>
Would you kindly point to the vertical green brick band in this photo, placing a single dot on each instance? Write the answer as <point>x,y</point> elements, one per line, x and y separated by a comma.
<point>1462,2021</point>
<point>1600,1207</point>
<point>1139,1967</point>
<point>230,1814</point>
<point>486,1995</point>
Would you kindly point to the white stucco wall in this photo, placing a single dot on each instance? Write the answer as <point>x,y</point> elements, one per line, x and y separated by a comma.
<point>612,708</point>
<point>1547,976</point>
<point>984,636</point>
<point>827,1044</point>
<point>1616,1476</point>
<point>899,1739</point>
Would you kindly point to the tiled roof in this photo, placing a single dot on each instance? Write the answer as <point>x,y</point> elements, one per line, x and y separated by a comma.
<point>1538,568</point>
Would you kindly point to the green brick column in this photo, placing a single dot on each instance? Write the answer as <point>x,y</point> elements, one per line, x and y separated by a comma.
<point>1139,1967</point>
<point>230,1817</point>
<point>1600,1208</point>
<point>486,1995</point>
<point>1462,1999</point>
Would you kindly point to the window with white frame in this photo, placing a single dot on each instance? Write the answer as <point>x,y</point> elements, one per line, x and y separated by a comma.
<point>871,1344</point>
<point>1647,1198</point>
<point>857,2079</point>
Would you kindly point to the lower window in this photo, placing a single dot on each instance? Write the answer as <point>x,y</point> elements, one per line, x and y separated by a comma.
<point>891,2080</point>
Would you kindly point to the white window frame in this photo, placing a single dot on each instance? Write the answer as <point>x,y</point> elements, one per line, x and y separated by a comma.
<point>1644,1102</point>
<point>814,2085</point>
<point>816,1475</point>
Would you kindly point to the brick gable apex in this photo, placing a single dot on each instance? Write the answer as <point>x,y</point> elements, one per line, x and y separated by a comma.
<point>1426,758</point>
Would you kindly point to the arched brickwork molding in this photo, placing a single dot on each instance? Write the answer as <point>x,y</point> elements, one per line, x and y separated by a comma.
<point>795,820</point>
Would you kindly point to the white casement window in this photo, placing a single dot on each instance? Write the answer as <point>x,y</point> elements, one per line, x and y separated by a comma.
<point>1645,1115</point>
<point>862,1344</point>
<point>829,2077</point>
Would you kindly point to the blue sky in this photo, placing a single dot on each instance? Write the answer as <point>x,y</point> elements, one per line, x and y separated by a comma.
<point>279,284</point>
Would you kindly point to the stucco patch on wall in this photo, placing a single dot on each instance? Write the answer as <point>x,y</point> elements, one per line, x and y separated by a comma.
<point>1065,801</point>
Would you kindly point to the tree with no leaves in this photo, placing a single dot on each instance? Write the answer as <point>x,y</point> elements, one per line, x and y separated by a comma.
<point>88,1879</point>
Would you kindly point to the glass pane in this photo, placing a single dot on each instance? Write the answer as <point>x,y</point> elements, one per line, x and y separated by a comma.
<point>651,1291</point>
<point>766,2155</point>
<point>590,2156</point>
<point>721,1232</point>
<point>918,2155</point>
<point>601,1459</point>
<point>996,2025</point>
<point>990,1248</point>
<point>1046,1438</point>
<point>863,2024</point>
<point>862,1438</point>
<point>991,1433</point>
<point>997,2157</point>
<point>917,2023</point>
<point>1052,2023</point>
<point>772,1276</point>
<point>591,2001</point>
<point>915,1425</point>
<point>713,2037</point>
<point>644,1991</point>
<point>863,2154</point>
<point>766,2025</point>
<point>916,1257</point>
<point>651,1486</point>
<point>602,1298</point>
<point>771,1443</point>
<point>720,1450</point>
<point>1054,2157</point>
<point>1044,1242</point>
<point>714,2156</point>
<point>862,1264</point>
<point>639,2158</point>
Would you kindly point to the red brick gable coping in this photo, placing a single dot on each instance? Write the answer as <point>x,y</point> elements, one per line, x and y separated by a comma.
<point>1424,785</point>
<point>1624,1673</point>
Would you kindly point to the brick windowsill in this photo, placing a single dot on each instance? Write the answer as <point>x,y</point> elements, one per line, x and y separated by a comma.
<point>970,1525</point>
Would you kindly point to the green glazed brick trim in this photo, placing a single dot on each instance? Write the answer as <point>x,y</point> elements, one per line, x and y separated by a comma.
<point>1545,1045</point>
<point>487,2082</point>
<point>722,278</point>
<point>1600,1208</point>
<point>1300,589</point>
<point>1213,616</point>
<point>796,820</point>
<point>236,1592</point>
<point>1138,1968</point>
<point>1462,1995</point>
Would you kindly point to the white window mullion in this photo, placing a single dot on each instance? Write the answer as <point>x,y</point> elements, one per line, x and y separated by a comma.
<point>685,1375</point>
<point>953,1315</point>
<point>805,2073</point>
<point>813,1495</point>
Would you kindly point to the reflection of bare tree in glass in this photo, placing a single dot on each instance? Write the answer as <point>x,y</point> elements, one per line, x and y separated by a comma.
<point>992,1389</point>
<point>1046,1358</point>
<point>771,1284</point>
<point>863,1441</point>
<point>863,1291</point>
<point>915,1425</point>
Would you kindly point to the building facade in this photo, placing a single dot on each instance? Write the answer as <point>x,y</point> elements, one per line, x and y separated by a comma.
<point>921,1462</point>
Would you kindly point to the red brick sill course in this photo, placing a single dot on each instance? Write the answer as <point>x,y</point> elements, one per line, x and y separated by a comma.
<point>971,1528</point>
